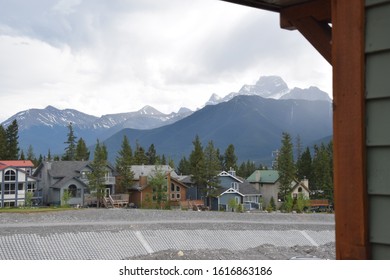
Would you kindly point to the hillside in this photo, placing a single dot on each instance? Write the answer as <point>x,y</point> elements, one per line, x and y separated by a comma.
<point>253,124</point>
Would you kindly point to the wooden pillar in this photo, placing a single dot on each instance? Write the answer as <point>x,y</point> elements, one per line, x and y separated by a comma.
<point>349,129</point>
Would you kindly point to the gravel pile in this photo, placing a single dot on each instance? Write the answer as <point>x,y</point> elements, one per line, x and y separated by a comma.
<point>133,233</point>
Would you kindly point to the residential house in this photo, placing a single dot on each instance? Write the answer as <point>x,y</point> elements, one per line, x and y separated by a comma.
<point>141,192</point>
<point>267,182</point>
<point>16,181</point>
<point>56,177</point>
<point>234,188</point>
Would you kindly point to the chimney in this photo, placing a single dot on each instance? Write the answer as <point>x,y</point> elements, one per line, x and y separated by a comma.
<point>232,172</point>
<point>143,181</point>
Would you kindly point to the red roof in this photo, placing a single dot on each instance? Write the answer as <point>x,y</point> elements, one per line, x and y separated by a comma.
<point>17,163</point>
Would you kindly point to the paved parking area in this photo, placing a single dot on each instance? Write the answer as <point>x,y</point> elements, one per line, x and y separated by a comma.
<point>101,234</point>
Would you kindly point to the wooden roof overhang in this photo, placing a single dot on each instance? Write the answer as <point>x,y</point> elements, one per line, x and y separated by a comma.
<point>336,28</point>
<point>312,18</point>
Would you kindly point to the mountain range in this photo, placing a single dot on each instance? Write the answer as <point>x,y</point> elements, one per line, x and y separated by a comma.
<point>251,119</point>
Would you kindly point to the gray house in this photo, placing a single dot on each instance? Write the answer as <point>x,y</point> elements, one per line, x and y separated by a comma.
<point>235,188</point>
<point>72,176</point>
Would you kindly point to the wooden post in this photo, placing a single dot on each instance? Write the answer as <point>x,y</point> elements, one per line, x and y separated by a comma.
<point>349,129</point>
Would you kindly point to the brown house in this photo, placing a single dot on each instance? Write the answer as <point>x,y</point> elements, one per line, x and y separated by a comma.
<point>142,195</point>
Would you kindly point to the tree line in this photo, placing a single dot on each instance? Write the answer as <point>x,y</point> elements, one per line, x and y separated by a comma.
<point>315,165</point>
<point>203,163</point>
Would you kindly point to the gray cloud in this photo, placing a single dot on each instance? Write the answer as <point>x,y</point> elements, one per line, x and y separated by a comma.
<point>164,53</point>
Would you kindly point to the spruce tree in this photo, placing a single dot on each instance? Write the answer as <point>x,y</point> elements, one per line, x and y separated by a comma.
<point>3,143</point>
<point>212,168</point>
<point>322,171</point>
<point>139,155</point>
<point>70,149</point>
<point>12,137</point>
<point>22,156</point>
<point>304,168</point>
<point>230,158</point>
<point>158,182</point>
<point>151,155</point>
<point>97,176</point>
<point>286,166</point>
<point>197,165</point>
<point>124,162</point>
<point>82,152</point>
<point>184,166</point>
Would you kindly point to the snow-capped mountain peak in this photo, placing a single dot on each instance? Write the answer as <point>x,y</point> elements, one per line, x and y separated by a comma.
<point>273,87</point>
<point>149,110</point>
<point>214,99</point>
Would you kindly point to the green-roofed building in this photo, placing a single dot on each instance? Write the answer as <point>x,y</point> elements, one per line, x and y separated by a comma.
<point>267,182</point>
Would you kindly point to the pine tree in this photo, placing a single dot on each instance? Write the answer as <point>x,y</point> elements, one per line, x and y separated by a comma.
<point>12,151</point>
<point>31,156</point>
<point>230,158</point>
<point>124,162</point>
<point>82,152</point>
<point>139,155</point>
<point>30,153</point>
<point>197,165</point>
<point>322,170</point>
<point>285,166</point>
<point>3,143</point>
<point>22,156</point>
<point>97,176</point>
<point>212,168</point>
<point>70,149</point>
<point>184,166</point>
<point>49,158</point>
<point>304,168</point>
<point>163,160</point>
<point>151,155</point>
<point>158,182</point>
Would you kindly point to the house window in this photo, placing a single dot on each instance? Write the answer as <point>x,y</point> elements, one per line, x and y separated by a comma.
<point>300,189</point>
<point>9,188</point>
<point>20,186</point>
<point>10,175</point>
<point>74,191</point>
<point>175,192</point>
<point>31,187</point>
<point>235,185</point>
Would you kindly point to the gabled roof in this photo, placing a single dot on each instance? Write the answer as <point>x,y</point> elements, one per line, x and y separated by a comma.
<point>264,177</point>
<point>302,185</point>
<point>227,174</point>
<point>247,189</point>
<point>67,168</point>
<point>149,170</point>
<point>17,169</point>
<point>17,163</point>
<point>230,190</point>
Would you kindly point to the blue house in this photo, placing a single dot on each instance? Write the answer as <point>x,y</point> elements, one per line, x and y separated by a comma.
<point>235,191</point>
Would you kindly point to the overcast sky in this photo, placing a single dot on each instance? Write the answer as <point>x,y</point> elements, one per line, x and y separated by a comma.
<point>111,56</point>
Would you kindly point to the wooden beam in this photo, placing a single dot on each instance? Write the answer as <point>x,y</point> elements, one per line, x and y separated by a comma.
<point>312,21</point>
<point>319,34</point>
<point>319,10</point>
<point>349,130</point>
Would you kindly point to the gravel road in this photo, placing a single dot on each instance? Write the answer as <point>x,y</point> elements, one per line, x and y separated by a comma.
<point>154,234</point>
